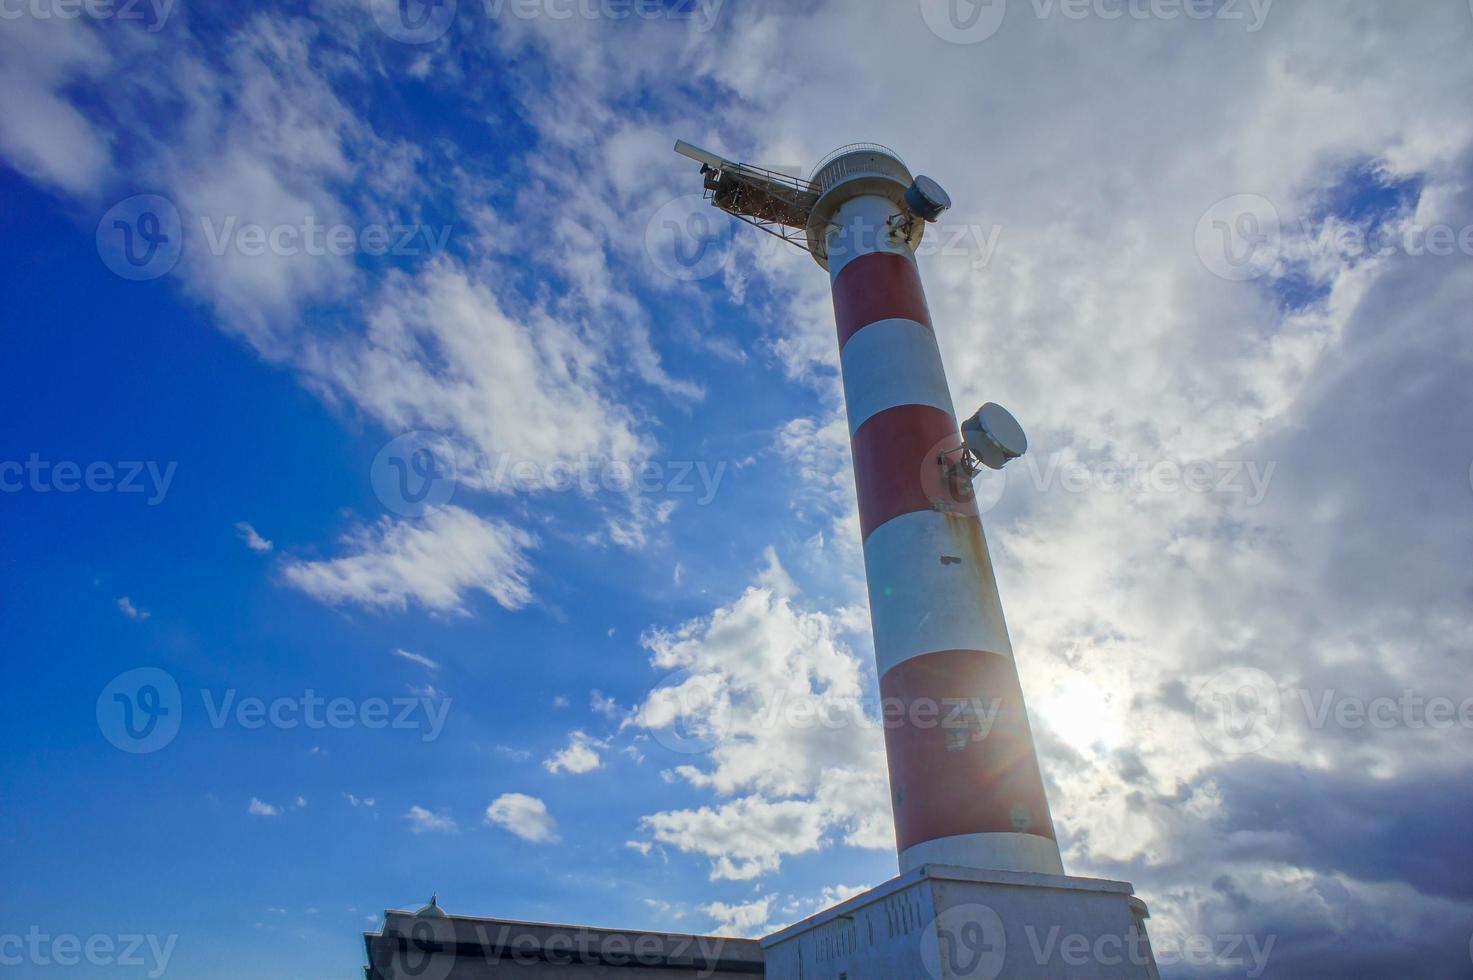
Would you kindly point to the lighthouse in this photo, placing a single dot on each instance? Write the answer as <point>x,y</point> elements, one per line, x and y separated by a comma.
<point>964,777</point>
<point>980,870</point>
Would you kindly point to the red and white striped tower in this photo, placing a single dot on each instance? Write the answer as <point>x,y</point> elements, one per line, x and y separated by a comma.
<point>964,778</point>
<point>963,793</point>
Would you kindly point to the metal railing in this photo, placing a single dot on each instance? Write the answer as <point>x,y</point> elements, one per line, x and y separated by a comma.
<point>854,148</point>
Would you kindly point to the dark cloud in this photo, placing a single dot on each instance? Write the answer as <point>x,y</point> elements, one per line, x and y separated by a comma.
<point>1413,829</point>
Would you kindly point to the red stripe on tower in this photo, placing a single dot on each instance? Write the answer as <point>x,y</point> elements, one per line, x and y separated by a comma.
<point>892,451</point>
<point>978,742</point>
<point>878,286</point>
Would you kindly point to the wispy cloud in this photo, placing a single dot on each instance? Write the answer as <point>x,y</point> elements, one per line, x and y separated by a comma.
<point>252,540</point>
<point>126,607</point>
<point>434,561</point>
<point>417,658</point>
<point>602,704</point>
<point>422,821</point>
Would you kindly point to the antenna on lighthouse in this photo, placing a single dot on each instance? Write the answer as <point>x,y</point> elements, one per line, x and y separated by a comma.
<point>993,436</point>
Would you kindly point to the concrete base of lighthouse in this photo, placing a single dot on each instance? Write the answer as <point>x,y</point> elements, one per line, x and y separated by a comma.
<point>949,923</point>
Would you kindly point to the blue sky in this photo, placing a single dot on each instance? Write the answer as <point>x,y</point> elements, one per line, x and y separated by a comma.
<point>596,685</point>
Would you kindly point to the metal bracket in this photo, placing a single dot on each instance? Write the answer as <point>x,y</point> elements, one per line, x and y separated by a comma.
<point>900,226</point>
<point>960,462</point>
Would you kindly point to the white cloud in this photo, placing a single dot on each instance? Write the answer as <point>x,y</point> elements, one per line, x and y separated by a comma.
<point>603,704</point>
<point>834,894</point>
<point>252,539</point>
<point>417,658</point>
<point>744,920</point>
<point>434,561</point>
<point>41,132</point>
<point>126,607</point>
<point>668,909</point>
<point>580,756</point>
<point>774,578</point>
<point>751,681</point>
<point>257,808</point>
<point>238,159</point>
<point>525,816</point>
<point>355,801</point>
<point>422,821</point>
<point>744,839</point>
<point>526,393</point>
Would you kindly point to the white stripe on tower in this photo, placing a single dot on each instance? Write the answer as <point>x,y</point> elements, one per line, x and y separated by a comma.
<point>892,362</point>
<point>921,600</point>
<point>963,772</point>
